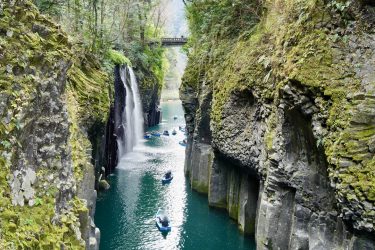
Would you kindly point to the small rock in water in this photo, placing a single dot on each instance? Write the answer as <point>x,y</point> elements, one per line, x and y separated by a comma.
<point>103,185</point>
<point>93,243</point>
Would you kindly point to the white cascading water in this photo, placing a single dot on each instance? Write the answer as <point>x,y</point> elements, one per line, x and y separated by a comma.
<point>132,116</point>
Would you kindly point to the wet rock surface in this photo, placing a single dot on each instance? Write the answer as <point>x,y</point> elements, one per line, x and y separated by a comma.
<point>151,106</point>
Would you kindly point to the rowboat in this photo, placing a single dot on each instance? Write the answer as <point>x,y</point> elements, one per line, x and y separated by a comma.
<point>162,221</point>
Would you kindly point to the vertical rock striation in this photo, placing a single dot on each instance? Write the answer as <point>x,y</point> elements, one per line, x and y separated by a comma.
<point>151,106</point>
<point>280,118</point>
<point>114,126</point>
<point>52,95</point>
<point>150,92</point>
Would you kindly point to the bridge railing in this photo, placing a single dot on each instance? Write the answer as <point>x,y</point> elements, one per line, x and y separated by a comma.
<point>175,39</point>
<point>170,41</point>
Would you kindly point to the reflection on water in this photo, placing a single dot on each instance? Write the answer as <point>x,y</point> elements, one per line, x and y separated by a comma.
<point>125,214</point>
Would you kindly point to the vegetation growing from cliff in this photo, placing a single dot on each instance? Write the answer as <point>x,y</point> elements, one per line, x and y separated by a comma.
<point>127,26</point>
<point>38,64</point>
<point>118,58</point>
<point>301,44</point>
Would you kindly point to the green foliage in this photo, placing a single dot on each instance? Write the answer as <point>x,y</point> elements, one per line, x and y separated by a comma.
<point>156,61</point>
<point>222,19</point>
<point>340,6</point>
<point>6,144</point>
<point>97,30</point>
<point>102,25</point>
<point>149,63</point>
<point>117,57</point>
<point>48,6</point>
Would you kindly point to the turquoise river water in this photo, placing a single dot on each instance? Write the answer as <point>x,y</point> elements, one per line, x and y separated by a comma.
<point>125,213</point>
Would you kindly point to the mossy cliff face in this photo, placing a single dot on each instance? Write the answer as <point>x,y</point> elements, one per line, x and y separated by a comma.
<point>287,100</point>
<point>51,94</point>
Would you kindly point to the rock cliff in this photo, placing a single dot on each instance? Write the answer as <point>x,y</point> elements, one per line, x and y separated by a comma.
<point>279,104</point>
<point>150,91</point>
<point>151,103</point>
<point>150,78</point>
<point>52,96</point>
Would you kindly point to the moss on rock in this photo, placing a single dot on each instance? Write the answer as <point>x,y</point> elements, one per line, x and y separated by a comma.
<point>309,45</point>
<point>118,58</point>
<point>51,92</point>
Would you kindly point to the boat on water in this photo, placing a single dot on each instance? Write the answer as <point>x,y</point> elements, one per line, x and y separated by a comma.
<point>162,221</point>
<point>167,178</point>
<point>147,136</point>
<point>155,133</point>
<point>183,129</point>
<point>175,117</point>
<point>183,143</point>
<point>174,132</point>
<point>166,133</point>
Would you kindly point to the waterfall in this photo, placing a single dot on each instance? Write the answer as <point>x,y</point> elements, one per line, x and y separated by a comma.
<point>132,115</point>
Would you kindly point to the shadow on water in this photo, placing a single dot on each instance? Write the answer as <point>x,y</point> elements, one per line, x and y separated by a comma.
<point>164,234</point>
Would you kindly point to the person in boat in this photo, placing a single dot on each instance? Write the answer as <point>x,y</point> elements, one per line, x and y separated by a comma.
<point>164,221</point>
<point>168,175</point>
